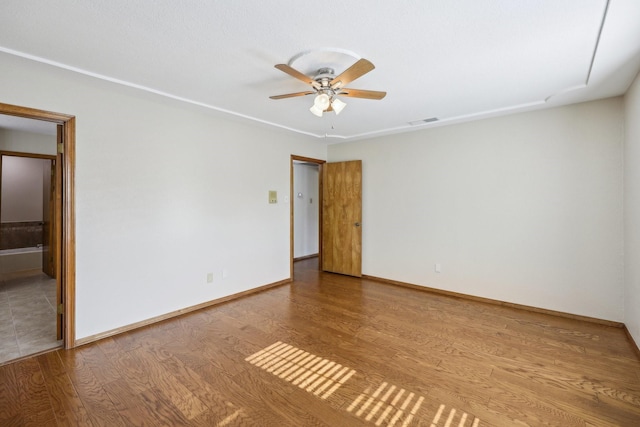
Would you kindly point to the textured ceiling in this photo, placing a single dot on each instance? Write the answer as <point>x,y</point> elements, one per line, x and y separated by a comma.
<point>455,60</point>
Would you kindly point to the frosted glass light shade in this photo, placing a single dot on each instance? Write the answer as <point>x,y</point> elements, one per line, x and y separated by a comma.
<point>315,110</point>
<point>322,101</point>
<point>338,105</point>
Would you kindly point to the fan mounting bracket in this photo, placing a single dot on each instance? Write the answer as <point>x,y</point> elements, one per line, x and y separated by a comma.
<point>310,61</point>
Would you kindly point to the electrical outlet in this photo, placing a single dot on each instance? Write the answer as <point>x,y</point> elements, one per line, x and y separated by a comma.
<point>209,277</point>
<point>225,273</point>
<point>438,268</point>
<point>273,196</point>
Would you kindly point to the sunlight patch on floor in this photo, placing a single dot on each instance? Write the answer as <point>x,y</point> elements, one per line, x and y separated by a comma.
<point>387,405</point>
<point>400,408</point>
<point>312,373</point>
<point>229,419</point>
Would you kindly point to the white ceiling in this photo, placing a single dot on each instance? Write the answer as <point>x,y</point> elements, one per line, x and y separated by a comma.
<point>27,125</point>
<point>455,60</point>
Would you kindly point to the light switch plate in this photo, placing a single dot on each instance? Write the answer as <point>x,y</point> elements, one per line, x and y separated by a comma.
<point>273,196</point>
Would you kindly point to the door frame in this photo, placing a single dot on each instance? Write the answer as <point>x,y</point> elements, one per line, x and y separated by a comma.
<point>66,220</point>
<point>320,164</point>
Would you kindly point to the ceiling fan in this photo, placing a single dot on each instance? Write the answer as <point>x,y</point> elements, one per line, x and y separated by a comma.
<point>327,86</point>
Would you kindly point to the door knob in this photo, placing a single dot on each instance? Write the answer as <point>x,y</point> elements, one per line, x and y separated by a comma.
<point>357,224</point>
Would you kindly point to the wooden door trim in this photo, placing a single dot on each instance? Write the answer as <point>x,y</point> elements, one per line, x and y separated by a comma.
<point>320,164</point>
<point>67,240</point>
<point>30,155</point>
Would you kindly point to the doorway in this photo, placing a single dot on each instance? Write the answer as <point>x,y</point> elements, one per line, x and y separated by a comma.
<point>27,208</point>
<point>62,225</point>
<point>339,215</point>
<point>306,209</point>
<point>28,286</point>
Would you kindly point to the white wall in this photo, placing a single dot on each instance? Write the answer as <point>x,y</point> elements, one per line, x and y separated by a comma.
<point>27,142</point>
<point>632,210</point>
<point>305,209</point>
<point>166,192</point>
<point>524,208</point>
<point>22,189</point>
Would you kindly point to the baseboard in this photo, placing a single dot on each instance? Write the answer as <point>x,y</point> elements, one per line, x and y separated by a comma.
<point>127,328</point>
<point>300,258</point>
<point>633,342</point>
<point>498,302</point>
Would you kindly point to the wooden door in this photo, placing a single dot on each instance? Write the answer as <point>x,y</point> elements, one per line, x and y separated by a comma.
<point>342,217</point>
<point>48,218</point>
<point>56,247</point>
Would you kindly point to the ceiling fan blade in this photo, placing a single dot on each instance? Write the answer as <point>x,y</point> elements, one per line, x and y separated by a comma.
<point>359,69</point>
<point>298,75</point>
<point>291,95</point>
<point>358,93</point>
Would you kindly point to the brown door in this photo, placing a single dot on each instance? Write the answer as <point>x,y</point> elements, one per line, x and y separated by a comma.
<point>56,247</point>
<point>341,218</point>
<point>48,218</point>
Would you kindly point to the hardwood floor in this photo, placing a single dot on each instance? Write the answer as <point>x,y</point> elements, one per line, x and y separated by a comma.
<point>331,350</point>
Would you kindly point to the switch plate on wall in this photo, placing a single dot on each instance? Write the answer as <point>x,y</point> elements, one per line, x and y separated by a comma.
<point>273,196</point>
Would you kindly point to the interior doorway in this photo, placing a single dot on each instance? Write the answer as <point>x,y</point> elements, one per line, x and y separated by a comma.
<point>27,208</point>
<point>28,285</point>
<point>61,227</point>
<point>339,215</point>
<point>306,209</point>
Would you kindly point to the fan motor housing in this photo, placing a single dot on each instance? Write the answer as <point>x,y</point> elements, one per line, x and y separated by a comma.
<point>324,76</point>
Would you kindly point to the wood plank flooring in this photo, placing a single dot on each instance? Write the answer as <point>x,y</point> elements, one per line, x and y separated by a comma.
<point>331,350</point>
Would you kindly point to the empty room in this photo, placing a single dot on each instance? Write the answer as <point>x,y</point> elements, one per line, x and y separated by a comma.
<point>269,213</point>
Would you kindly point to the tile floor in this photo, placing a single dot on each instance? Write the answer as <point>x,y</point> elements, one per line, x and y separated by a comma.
<point>27,315</point>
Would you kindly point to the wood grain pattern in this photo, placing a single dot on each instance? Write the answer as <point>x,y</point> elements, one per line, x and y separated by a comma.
<point>358,69</point>
<point>57,239</point>
<point>359,93</point>
<point>68,246</point>
<point>419,359</point>
<point>341,218</point>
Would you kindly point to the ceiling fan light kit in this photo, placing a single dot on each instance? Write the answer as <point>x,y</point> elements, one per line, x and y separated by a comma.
<point>325,103</point>
<point>338,105</point>
<point>315,110</point>
<point>326,86</point>
<point>322,101</point>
